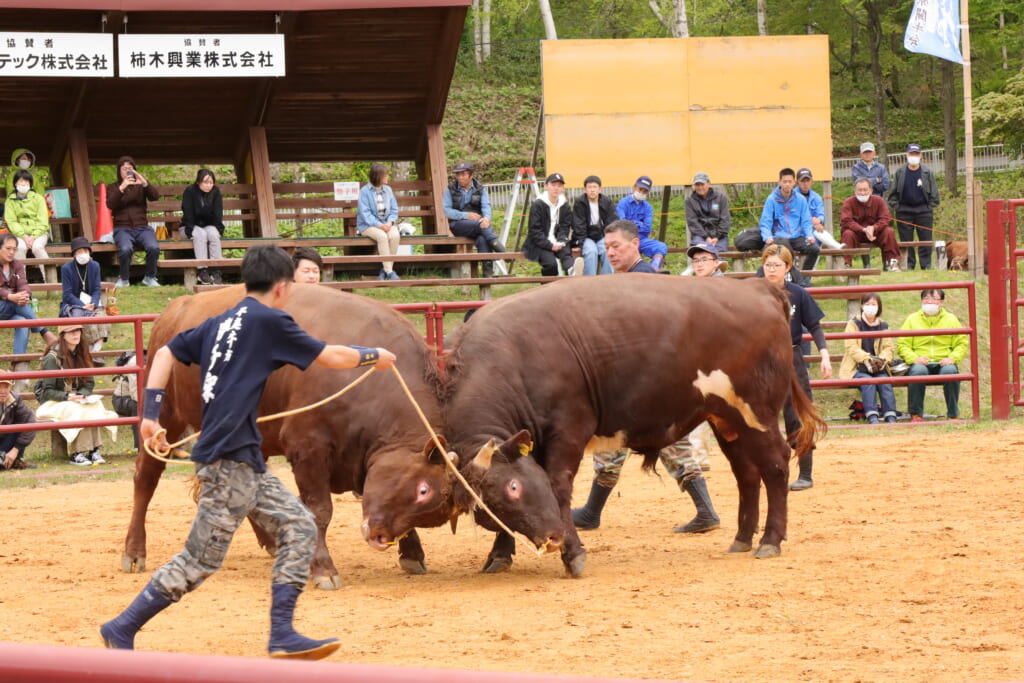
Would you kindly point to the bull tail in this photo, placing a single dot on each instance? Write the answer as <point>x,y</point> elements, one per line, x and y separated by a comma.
<point>812,424</point>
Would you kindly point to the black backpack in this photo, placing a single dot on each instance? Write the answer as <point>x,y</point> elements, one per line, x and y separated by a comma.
<point>749,240</point>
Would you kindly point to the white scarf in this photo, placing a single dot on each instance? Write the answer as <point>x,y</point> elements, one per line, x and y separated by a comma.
<point>554,213</point>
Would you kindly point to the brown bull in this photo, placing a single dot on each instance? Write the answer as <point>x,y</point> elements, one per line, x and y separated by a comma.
<point>369,440</point>
<point>633,360</point>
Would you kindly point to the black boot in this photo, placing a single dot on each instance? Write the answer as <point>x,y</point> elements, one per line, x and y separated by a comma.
<point>204,276</point>
<point>488,268</point>
<point>707,518</point>
<point>497,246</point>
<point>804,481</point>
<point>284,641</point>
<point>119,633</point>
<point>218,279</point>
<point>589,516</point>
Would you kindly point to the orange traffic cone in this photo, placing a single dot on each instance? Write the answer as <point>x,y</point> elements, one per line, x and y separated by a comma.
<point>104,219</point>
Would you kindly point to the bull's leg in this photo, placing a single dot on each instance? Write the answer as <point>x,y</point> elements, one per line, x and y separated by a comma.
<point>748,481</point>
<point>310,467</point>
<point>773,461</point>
<point>500,557</point>
<point>410,554</point>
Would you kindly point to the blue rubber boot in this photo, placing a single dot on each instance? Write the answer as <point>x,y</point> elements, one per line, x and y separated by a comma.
<point>284,641</point>
<point>656,261</point>
<point>119,633</point>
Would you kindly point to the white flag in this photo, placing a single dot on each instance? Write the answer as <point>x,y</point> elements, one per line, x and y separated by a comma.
<point>934,29</point>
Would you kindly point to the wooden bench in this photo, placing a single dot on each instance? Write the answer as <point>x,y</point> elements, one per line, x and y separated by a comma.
<point>905,248</point>
<point>483,283</point>
<point>303,202</point>
<point>50,266</point>
<point>239,201</point>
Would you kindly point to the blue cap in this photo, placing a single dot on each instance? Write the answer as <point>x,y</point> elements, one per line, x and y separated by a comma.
<point>913,147</point>
<point>644,182</point>
<point>702,246</point>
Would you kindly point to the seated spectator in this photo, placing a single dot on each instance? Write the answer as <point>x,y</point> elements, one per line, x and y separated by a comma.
<point>202,221</point>
<point>622,244</point>
<point>127,201</point>
<point>308,265</point>
<point>80,280</point>
<point>816,207</point>
<point>13,411</point>
<point>704,259</point>
<point>16,299</point>
<point>468,209</point>
<point>870,357</point>
<point>932,355</point>
<point>591,212</point>
<point>707,214</point>
<point>548,231</point>
<point>786,220</point>
<point>67,399</point>
<point>866,221</point>
<point>28,218</point>
<point>24,160</point>
<point>377,218</point>
<point>634,207</point>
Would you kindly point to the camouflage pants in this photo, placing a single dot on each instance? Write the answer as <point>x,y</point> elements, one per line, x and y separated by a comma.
<point>677,460</point>
<point>230,492</point>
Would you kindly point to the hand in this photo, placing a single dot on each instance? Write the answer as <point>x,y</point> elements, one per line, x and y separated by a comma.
<point>769,241</point>
<point>473,216</point>
<point>385,361</point>
<point>947,361</point>
<point>876,365</point>
<point>713,240</point>
<point>826,367</point>
<point>140,179</point>
<point>810,240</point>
<point>485,222</point>
<point>28,240</point>
<point>386,227</point>
<point>556,246</point>
<point>76,398</point>
<point>90,307</point>
<point>20,298</point>
<point>922,360</point>
<point>147,430</point>
<point>9,458</point>
<point>869,232</point>
<point>817,224</point>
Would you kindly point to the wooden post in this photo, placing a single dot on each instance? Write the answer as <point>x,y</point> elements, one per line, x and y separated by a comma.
<point>81,174</point>
<point>665,197</point>
<point>438,172</point>
<point>259,157</point>
<point>975,238</point>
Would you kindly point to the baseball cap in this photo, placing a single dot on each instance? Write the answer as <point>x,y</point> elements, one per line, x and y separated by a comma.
<point>644,182</point>
<point>702,246</point>
<point>69,328</point>
<point>803,173</point>
<point>555,178</point>
<point>913,147</point>
<point>701,178</point>
<point>867,147</point>
<point>4,379</point>
<point>463,166</point>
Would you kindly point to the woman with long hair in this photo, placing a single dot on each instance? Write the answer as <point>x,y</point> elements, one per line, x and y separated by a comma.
<point>202,221</point>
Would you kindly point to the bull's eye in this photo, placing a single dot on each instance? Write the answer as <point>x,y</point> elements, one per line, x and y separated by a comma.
<point>423,492</point>
<point>513,489</point>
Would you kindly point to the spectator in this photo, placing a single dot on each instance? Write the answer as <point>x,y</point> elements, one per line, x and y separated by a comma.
<point>548,231</point>
<point>786,220</point>
<point>24,160</point>
<point>28,218</point>
<point>80,279</point>
<point>622,244</point>
<point>870,357</point>
<point>13,411</point>
<point>377,218</point>
<point>127,201</point>
<point>707,214</point>
<point>634,207</point>
<point>704,257</point>
<point>777,261</point>
<point>816,207</point>
<point>876,173</point>
<point>308,265</point>
<point>16,299</point>
<point>865,220</point>
<point>591,212</point>
<point>67,399</point>
<point>912,198</point>
<point>202,221</point>
<point>934,354</point>
<point>468,209</point>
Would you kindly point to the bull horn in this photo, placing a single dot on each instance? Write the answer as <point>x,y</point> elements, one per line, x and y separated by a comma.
<point>454,457</point>
<point>483,456</point>
<point>454,521</point>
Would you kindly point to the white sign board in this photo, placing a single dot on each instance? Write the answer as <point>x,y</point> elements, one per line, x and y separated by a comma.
<point>346,192</point>
<point>191,56</point>
<point>56,54</point>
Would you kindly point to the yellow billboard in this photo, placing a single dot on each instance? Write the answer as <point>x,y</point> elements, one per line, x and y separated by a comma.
<point>738,109</point>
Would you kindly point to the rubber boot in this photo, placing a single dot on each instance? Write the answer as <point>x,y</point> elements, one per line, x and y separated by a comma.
<point>218,277</point>
<point>488,268</point>
<point>589,516</point>
<point>21,385</point>
<point>119,633</point>
<point>656,261</point>
<point>804,481</point>
<point>284,641</point>
<point>204,276</point>
<point>497,246</point>
<point>706,519</point>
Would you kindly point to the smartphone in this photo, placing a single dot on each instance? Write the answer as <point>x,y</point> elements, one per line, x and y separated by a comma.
<point>131,175</point>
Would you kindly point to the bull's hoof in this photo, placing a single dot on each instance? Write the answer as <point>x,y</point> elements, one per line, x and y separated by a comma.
<point>740,547</point>
<point>765,551</point>
<point>327,583</point>
<point>414,567</point>
<point>131,565</point>
<point>576,565</point>
<point>496,565</point>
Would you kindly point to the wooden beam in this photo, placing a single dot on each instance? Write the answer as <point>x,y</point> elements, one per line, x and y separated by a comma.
<point>444,57</point>
<point>259,159</point>
<point>81,176</point>
<point>437,172</point>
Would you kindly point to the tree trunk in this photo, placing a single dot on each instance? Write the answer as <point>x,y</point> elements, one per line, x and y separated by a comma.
<point>1002,37</point>
<point>874,28</point>
<point>762,17</point>
<point>477,47</point>
<point>682,26</point>
<point>486,31</point>
<point>549,20</point>
<point>949,124</point>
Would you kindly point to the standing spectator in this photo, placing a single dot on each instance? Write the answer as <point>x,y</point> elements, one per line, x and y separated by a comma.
<point>786,220</point>
<point>870,357</point>
<point>912,198</point>
<point>591,212</point>
<point>202,221</point>
<point>80,280</point>
<point>816,207</point>
<point>934,354</point>
<point>635,207</point>
<point>127,201</point>
<point>876,172</point>
<point>548,230</point>
<point>16,299</point>
<point>707,214</point>
<point>468,210</point>
<point>24,160</point>
<point>67,399</point>
<point>377,218</point>
<point>865,220</point>
<point>28,218</point>
<point>308,265</point>
<point>13,411</point>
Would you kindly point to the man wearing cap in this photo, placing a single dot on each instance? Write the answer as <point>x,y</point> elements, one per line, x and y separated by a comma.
<point>816,205</point>
<point>13,411</point>
<point>876,173</point>
<point>707,214</point>
<point>468,210</point>
<point>634,207</point>
<point>591,212</point>
<point>16,297</point>
<point>913,196</point>
<point>548,234</point>
<point>866,221</point>
<point>786,220</point>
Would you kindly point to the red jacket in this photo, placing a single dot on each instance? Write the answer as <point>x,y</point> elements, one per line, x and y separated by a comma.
<point>14,280</point>
<point>857,216</point>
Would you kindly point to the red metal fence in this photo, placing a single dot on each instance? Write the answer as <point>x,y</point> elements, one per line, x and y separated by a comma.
<point>1004,303</point>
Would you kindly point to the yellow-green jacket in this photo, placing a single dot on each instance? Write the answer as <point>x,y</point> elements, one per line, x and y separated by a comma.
<point>934,347</point>
<point>28,216</point>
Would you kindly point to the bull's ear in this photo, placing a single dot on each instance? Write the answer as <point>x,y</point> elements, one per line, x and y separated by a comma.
<point>520,445</point>
<point>483,456</point>
<point>434,456</point>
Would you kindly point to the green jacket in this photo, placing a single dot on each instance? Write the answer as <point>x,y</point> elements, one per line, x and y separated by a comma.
<point>39,176</point>
<point>28,216</point>
<point>58,388</point>
<point>934,347</point>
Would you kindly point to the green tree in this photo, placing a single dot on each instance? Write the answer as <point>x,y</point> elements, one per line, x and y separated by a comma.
<point>1000,115</point>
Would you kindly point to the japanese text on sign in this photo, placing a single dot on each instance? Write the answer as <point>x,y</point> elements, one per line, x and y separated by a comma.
<point>346,191</point>
<point>56,54</point>
<point>189,56</point>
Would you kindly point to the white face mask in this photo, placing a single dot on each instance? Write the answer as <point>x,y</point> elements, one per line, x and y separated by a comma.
<point>930,309</point>
<point>862,198</point>
<point>22,188</point>
<point>25,164</point>
<point>82,259</point>
<point>870,310</point>
<point>913,160</point>
<point>639,196</point>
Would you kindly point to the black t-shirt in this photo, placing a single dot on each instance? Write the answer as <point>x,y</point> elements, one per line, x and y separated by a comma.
<point>642,266</point>
<point>803,312</point>
<point>236,352</point>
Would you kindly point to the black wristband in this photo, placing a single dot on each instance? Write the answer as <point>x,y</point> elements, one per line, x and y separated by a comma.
<point>367,356</point>
<point>154,401</point>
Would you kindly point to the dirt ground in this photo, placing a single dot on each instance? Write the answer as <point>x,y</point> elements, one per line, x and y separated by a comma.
<point>902,563</point>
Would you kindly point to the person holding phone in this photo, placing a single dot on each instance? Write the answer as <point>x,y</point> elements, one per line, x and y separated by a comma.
<point>126,200</point>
